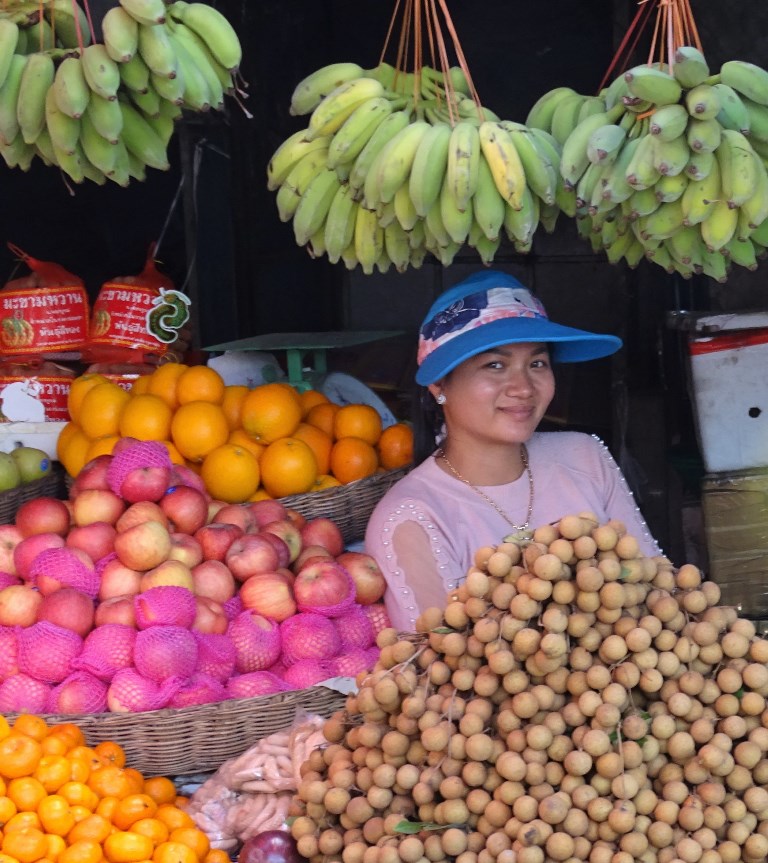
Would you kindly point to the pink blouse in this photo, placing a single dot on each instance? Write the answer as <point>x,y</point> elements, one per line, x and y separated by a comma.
<point>426,529</point>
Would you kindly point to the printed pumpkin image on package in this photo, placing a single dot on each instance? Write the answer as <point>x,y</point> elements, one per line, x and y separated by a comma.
<point>43,314</point>
<point>137,318</point>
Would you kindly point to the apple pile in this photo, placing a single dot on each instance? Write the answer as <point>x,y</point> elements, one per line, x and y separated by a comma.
<point>140,592</point>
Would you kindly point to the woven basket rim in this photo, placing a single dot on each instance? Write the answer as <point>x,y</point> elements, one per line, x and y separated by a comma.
<point>349,490</point>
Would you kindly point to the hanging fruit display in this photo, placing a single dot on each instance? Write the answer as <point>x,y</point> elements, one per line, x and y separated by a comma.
<point>106,111</point>
<point>393,165</point>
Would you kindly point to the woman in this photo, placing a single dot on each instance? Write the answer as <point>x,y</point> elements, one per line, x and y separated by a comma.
<point>486,349</point>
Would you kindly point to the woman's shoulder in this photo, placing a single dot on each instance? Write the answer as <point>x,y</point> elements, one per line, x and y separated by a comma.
<point>565,445</point>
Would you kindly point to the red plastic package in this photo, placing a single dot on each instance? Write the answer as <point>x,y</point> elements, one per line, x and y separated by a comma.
<point>34,391</point>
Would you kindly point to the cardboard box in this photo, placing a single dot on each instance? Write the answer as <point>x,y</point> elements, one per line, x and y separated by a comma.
<point>735,512</point>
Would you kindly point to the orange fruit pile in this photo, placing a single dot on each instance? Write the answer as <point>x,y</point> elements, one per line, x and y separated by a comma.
<point>66,802</point>
<point>246,444</point>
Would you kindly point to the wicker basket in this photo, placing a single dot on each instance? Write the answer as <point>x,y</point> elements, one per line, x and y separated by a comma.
<point>350,505</point>
<point>198,739</point>
<point>48,486</point>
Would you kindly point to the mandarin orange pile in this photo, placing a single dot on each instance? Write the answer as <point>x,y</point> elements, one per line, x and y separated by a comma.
<point>246,444</point>
<point>62,801</point>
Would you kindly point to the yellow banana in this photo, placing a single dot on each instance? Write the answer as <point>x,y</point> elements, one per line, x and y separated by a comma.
<point>392,166</point>
<point>397,246</point>
<point>36,79</point>
<point>296,182</point>
<point>719,226</point>
<point>699,198</point>
<point>503,160</point>
<point>288,154</point>
<point>541,174</point>
<point>312,89</point>
<point>402,205</point>
<point>314,204</point>
<point>386,130</point>
<point>357,129</point>
<point>738,167</point>
<point>337,106</point>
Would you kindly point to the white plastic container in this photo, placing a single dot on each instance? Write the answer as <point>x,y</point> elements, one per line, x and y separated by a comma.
<point>40,435</point>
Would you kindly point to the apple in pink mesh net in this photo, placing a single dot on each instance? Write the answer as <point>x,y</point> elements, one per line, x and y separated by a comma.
<point>308,636</point>
<point>355,628</point>
<point>140,455</point>
<point>8,652</point>
<point>307,672</point>
<point>199,689</point>
<point>255,683</point>
<point>351,662</point>
<point>166,605</point>
<point>377,614</point>
<point>324,587</point>
<point>106,650</point>
<point>131,692</point>
<point>257,641</point>
<point>216,655</point>
<point>79,692</point>
<point>161,652</point>
<point>21,693</point>
<point>46,650</point>
<point>55,568</point>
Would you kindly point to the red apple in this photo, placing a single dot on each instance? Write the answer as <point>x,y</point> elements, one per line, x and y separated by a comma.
<point>250,555</point>
<point>321,585</point>
<point>97,504</point>
<point>186,549</point>
<point>280,546</point>
<point>293,515</point>
<point>310,552</point>
<point>96,538</point>
<point>216,539</point>
<point>210,616</point>
<point>169,572</point>
<point>183,475</point>
<point>288,532</point>
<point>29,548</point>
<point>42,515</point>
<point>213,507</point>
<point>264,511</point>
<point>270,595</point>
<point>123,444</point>
<point>117,579</point>
<point>92,475</point>
<point>144,545</point>
<point>69,608</point>
<point>213,579</point>
<point>370,583</point>
<point>18,605</point>
<point>323,531</point>
<point>287,575</point>
<point>136,513</point>
<point>186,508</point>
<point>10,537</point>
<point>145,483</point>
<point>234,513</point>
<point>117,609</point>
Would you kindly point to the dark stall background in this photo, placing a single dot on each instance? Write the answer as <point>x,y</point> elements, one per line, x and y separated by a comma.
<point>223,243</point>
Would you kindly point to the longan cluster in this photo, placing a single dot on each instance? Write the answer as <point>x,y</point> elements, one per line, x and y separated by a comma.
<point>574,702</point>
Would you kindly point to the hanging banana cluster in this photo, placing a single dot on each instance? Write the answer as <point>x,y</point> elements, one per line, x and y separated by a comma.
<point>106,111</point>
<point>668,164</point>
<point>388,170</point>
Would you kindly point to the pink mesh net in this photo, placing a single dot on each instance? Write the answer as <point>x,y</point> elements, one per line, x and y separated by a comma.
<point>350,662</point>
<point>165,651</point>
<point>7,579</point>
<point>199,689</point>
<point>307,672</point>
<point>278,668</point>
<point>166,605</point>
<point>377,614</point>
<point>142,454</point>
<point>131,692</point>
<point>216,655</point>
<point>255,683</point>
<point>23,694</point>
<point>345,603</point>
<point>256,640</point>
<point>9,652</point>
<point>373,654</point>
<point>46,651</point>
<point>355,628</point>
<point>62,565</point>
<point>233,607</point>
<point>79,692</point>
<point>103,561</point>
<point>106,650</point>
<point>308,636</point>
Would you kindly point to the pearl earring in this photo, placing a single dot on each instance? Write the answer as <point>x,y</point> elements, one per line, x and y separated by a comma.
<point>441,399</point>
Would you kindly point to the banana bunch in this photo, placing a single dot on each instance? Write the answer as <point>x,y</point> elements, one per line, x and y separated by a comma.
<point>667,164</point>
<point>394,165</point>
<point>106,111</point>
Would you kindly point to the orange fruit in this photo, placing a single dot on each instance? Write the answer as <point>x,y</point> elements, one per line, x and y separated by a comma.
<point>56,844</point>
<point>75,451</point>
<point>160,788</point>
<point>81,851</point>
<point>319,442</point>
<point>288,466</point>
<point>101,446</point>
<point>70,732</point>
<point>162,382</point>
<point>395,446</point>
<point>174,852</point>
<point>322,416</point>
<point>55,815</point>
<point>140,385</point>
<point>109,780</point>
<point>193,838</point>
<point>197,428</point>
<point>7,810</point>
<point>94,828</point>
<point>132,808</point>
<point>77,392</point>
<point>101,408</point>
<point>52,770</point>
<point>146,417</point>
<point>353,458</point>
<point>23,821</point>
<point>199,384</point>
<point>65,435</point>
<point>79,794</point>
<point>260,494</point>
<point>135,778</point>
<point>176,456</point>
<point>325,480</point>
<point>32,725</point>
<point>125,846</point>
<point>360,421</point>
<point>173,817</point>
<point>232,403</point>
<point>270,412</point>
<point>26,792</point>
<point>216,855</point>
<point>27,845</point>
<point>230,473</point>
<point>19,756</point>
<point>86,754</point>
<point>110,752</point>
<point>153,828</point>
<point>106,807</point>
<point>240,437</point>
<point>309,398</point>
<point>80,813</point>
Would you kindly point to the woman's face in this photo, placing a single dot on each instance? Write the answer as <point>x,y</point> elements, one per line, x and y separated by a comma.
<point>500,395</point>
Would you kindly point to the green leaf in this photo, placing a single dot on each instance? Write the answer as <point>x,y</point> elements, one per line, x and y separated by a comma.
<point>418,826</point>
<point>443,630</point>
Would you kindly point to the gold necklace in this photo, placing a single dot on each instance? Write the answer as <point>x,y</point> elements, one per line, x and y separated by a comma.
<point>526,466</point>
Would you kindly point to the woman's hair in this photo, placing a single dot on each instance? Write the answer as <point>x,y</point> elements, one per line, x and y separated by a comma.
<point>428,424</point>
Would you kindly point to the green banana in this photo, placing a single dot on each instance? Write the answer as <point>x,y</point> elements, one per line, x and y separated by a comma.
<point>197,94</point>
<point>685,246</point>
<point>548,216</point>
<point>664,221</point>
<point>738,167</point>
<point>754,211</point>
<point>616,250</point>
<point>288,154</point>
<point>216,76</point>
<point>312,89</point>
<point>590,184</point>
<point>161,123</point>
<point>653,85</point>
<point>669,121</point>
<point>214,29</point>
<point>120,32</point>
<point>574,159</point>
<point>120,174</point>
<point>397,246</point>
<point>340,223</point>
<point>689,67</point>
<point>541,174</point>
<point>9,39</point>
<point>299,177</point>
<point>135,74</point>
<point>670,157</point>
<point>566,117</point>
<point>733,112</point>
<point>148,103</point>
<point>148,12</point>
<point>158,51</point>
<point>36,79</point>
<point>416,235</point>
<point>337,106</point>
<point>106,117</point>
<point>386,130</point>
<point>703,135</point>
<point>591,105</point>
<point>368,240</point>
<point>69,163</point>
<point>314,204</point>
<point>605,144</point>
<point>9,99</point>
<point>141,139</point>
<point>435,234</point>
<point>429,167</point>
<point>699,198</point>
<point>715,266</point>
<point>520,224</point>
<point>463,165</point>
<point>40,36</point>
<point>100,153</point>
<point>392,165</point>
<point>719,226</point>
<point>69,23</point>
<point>403,207</point>
<point>540,114</point>
<point>670,187</point>
<point>643,202</point>
<point>703,102</point>
<point>641,171</point>
<point>700,164</point>
<point>504,162</point>
<point>615,92</point>
<point>746,78</point>
<point>488,207</point>
<point>169,89</point>
<point>741,252</point>
<point>101,72</point>
<point>757,120</point>
<point>357,129</point>
<point>457,221</point>
<point>18,154</point>
<point>64,131</point>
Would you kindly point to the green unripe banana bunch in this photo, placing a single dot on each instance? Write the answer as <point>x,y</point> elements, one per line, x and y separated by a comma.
<point>671,167</point>
<point>106,111</point>
<point>394,165</point>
